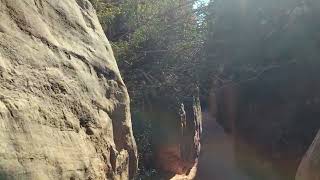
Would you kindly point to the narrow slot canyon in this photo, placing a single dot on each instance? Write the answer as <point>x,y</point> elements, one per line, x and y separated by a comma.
<point>223,158</point>
<point>159,90</point>
<point>259,130</point>
<point>263,129</point>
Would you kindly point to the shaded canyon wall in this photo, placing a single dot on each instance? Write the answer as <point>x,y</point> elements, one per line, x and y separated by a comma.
<point>264,56</point>
<point>273,119</point>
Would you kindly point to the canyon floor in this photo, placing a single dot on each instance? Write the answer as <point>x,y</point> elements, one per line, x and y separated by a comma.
<point>217,160</point>
<point>218,157</point>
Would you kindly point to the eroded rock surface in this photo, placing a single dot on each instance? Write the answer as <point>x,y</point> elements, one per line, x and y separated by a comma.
<point>64,109</point>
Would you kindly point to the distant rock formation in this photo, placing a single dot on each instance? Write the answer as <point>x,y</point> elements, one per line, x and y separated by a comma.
<point>64,109</point>
<point>309,168</point>
<point>176,136</point>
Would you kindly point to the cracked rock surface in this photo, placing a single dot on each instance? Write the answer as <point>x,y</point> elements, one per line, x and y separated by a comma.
<point>64,109</point>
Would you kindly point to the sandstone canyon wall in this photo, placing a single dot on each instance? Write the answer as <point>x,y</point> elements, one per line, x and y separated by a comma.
<point>267,88</point>
<point>273,119</point>
<point>176,132</point>
<point>64,109</point>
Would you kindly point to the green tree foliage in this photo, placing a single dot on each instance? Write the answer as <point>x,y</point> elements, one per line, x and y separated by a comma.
<point>157,43</point>
<point>166,48</point>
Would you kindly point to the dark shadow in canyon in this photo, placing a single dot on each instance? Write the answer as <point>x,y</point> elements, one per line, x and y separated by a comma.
<point>267,125</point>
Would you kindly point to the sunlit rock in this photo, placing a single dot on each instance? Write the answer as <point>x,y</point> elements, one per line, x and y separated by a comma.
<point>64,109</point>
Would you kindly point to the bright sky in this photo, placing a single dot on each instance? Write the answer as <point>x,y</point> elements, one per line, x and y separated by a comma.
<point>202,1</point>
<point>205,1</point>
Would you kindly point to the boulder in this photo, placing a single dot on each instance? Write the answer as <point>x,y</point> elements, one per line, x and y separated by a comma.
<point>64,108</point>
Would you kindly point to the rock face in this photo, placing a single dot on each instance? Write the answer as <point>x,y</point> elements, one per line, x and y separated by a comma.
<point>267,88</point>
<point>64,109</point>
<point>273,119</point>
<point>309,168</point>
<point>176,137</point>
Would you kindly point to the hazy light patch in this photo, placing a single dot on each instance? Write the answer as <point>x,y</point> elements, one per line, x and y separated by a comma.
<point>243,5</point>
<point>200,3</point>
